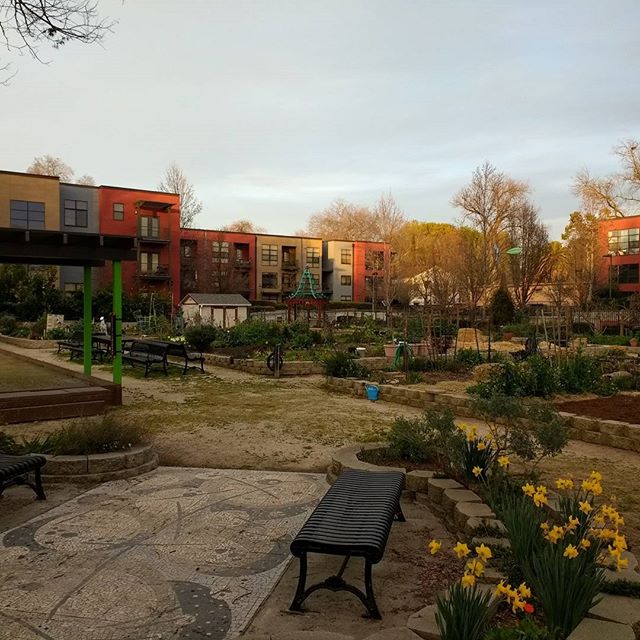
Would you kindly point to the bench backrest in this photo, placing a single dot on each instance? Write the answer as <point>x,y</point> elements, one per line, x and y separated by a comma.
<point>176,349</point>
<point>152,348</point>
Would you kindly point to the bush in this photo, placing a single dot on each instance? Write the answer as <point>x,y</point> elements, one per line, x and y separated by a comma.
<point>57,333</point>
<point>536,377</point>
<point>340,364</point>
<point>521,329</point>
<point>8,325</point>
<point>200,337</point>
<point>469,358</point>
<point>579,373</point>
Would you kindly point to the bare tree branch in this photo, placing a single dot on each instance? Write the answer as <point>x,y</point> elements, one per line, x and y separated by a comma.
<point>175,181</point>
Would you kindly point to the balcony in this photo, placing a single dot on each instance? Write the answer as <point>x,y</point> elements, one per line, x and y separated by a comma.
<point>160,272</point>
<point>290,265</point>
<point>153,235</point>
<point>243,265</point>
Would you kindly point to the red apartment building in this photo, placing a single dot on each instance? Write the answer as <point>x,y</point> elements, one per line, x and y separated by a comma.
<point>619,242</point>
<point>154,219</point>
<point>217,262</point>
<point>371,264</point>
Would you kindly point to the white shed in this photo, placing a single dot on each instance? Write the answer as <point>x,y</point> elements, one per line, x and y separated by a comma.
<point>221,309</point>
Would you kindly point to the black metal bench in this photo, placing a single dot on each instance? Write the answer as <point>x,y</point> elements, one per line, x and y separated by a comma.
<point>179,350</point>
<point>15,470</point>
<point>353,519</point>
<point>147,353</point>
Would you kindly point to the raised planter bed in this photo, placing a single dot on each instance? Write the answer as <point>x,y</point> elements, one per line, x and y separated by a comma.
<point>100,467</point>
<point>27,343</point>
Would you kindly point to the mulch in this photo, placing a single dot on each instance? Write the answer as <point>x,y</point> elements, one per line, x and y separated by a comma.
<point>623,407</point>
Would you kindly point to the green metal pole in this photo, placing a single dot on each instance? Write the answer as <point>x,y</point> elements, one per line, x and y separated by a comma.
<point>117,322</point>
<point>87,341</point>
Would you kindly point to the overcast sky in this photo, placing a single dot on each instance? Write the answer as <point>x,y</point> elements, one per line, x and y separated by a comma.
<point>275,108</point>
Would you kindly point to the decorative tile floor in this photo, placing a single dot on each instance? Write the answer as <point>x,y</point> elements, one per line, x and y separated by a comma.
<point>179,554</point>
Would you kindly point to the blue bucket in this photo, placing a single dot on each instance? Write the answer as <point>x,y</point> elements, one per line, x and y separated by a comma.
<point>372,392</point>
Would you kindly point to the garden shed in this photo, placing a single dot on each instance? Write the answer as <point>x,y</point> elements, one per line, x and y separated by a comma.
<point>220,309</point>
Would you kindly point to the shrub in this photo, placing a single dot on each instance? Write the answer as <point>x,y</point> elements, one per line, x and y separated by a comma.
<point>469,358</point>
<point>57,333</point>
<point>521,329</point>
<point>200,337</point>
<point>8,444</point>
<point>340,364</point>
<point>8,325</point>
<point>298,335</point>
<point>579,373</point>
<point>535,376</point>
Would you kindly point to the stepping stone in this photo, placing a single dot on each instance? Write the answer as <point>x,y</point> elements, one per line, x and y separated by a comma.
<point>423,623</point>
<point>626,555</point>
<point>626,574</point>
<point>451,497</point>
<point>482,523</point>
<point>397,633</point>
<point>590,629</point>
<point>617,609</point>
<point>492,577</point>
<point>437,487</point>
<point>464,511</point>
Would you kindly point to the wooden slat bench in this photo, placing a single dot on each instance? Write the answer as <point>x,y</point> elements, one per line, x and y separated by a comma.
<point>353,519</point>
<point>16,469</point>
<point>147,353</point>
<point>180,351</point>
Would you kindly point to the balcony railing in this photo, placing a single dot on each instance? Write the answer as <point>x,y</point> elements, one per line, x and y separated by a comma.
<point>243,265</point>
<point>160,272</point>
<point>147,233</point>
<point>290,265</point>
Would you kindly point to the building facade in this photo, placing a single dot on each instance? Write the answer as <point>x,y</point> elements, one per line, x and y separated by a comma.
<point>217,262</point>
<point>619,261</point>
<point>29,201</point>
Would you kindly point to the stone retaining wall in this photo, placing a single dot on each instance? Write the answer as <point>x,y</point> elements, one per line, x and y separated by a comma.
<point>289,368</point>
<point>26,343</point>
<point>619,435</point>
<point>100,467</point>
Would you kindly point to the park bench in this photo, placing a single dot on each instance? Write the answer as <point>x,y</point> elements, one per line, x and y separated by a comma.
<point>15,470</point>
<point>147,353</point>
<point>70,343</point>
<point>180,351</point>
<point>353,519</point>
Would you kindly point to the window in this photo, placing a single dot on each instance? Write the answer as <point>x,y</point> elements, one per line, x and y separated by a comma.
<point>269,280</point>
<point>220,252</point>
<point>627,273</point>
<point>345,280</point>
<point>345,298</point>
<point>345,256</point>
<point>624,242</point>
<point>149,262</point>
<point>27,215</point>
<point>71,287</point>
<point>149,227</point>
<point>118,211</point>
<point>313,256</point>
<point>373,260</point>
<point>288,257</point>
<point>76,213</point>
<point>188,249</point>
<point>289,281</point>
<point>270,254</point>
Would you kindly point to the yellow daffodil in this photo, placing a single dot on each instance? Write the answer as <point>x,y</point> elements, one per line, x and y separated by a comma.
<point>477,471</point>
<point>572,524</point>
<point>539,499</point>
<point>564,483</point>
<point>528,490</point>
<point>484,553</point>
<point>502,589</point>
<point>468,580</point>
<point>585,507</point>
<point>585,543</point>
<point>595,475</point>
<point>461,550</point>
<point>481,446</point>
<point>524,591</point>
<point>475,567</point>
<point>434,547</point>
<point>622,563</point>
<point>503,461</point>
<point>570,552</point>
<point>555,534</point>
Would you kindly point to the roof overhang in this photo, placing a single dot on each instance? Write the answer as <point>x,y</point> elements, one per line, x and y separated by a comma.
<point>29,246</point>
<point>154,205</point>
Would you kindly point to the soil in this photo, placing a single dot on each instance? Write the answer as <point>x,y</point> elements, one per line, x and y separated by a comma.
<point>623,407</point>
<point>383,458</point>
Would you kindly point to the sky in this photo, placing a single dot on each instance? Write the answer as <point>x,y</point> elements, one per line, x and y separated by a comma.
<point>274,108</point>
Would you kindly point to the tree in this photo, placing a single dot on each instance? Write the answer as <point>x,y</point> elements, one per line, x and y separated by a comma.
<point>614,196</point>
<point>53,166</point>
<point>25,24</point>
<point>175,181</point>
<point>581,255</point>
<point>343,220</point>
<point>243,226</point>
<point>530,268</point>
<point>502,309</point>
<point>486,202</point>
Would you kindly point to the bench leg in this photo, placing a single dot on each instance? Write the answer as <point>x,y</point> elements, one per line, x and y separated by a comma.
<point>38,486</point>
<point>399,516</point>
<point>337,583</point>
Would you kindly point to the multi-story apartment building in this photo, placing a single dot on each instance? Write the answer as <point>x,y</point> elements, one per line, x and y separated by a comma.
<point>337,270</point>
<point>29,201</point>
<point>280,261</point>
<point>619,264</point>
<point>217,262</point>
<point>153,217</point>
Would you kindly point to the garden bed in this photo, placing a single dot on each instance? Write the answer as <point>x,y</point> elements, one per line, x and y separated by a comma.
<point>383,458</point>
<point>622,407</point>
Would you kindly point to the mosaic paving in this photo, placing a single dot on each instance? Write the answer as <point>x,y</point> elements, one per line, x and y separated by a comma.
<point>179,554</point>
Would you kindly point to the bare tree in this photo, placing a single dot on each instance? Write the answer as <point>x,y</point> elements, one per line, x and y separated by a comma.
<point>617,195</point>
<point>529,268</point>
<point>581,254</point>
<point>343,220</point>
<point>486,202</point>
<point>51,166</point>
<point>243,225</point>
<point>86,180</point>
<point>25,24</point>
<point>175,181</point>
